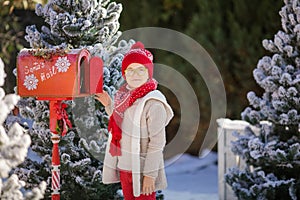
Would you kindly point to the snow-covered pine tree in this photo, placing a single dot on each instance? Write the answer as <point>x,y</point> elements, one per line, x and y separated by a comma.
<point>14,144</point>
<point>273,156</point>
<point>76,23</point>
<point>91,24</point>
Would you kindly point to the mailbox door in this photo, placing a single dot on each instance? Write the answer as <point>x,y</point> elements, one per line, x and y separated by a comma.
<point>96,75</point>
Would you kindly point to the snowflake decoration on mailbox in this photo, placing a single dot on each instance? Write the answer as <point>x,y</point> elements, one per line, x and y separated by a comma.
<point>31,82</point>
<point>62,64</point>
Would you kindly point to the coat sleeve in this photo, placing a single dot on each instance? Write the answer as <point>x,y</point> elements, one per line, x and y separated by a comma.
<point>109,109</point>
<point>156,121</point>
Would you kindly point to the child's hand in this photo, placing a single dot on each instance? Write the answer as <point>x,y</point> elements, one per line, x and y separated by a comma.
<point>148,185</point>
<point>104,98</point>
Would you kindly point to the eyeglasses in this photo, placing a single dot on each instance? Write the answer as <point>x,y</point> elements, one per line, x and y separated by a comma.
<point>141,71</point>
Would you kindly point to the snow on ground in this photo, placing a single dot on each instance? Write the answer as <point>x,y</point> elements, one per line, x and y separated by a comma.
<point>189,177</point>
<point>192,178</point>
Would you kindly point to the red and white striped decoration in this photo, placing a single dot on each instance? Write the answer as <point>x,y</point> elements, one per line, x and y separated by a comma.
<point>55,179</point>
<point>55,168</point>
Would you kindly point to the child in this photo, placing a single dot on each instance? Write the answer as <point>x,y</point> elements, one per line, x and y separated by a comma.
<point>134,154</point>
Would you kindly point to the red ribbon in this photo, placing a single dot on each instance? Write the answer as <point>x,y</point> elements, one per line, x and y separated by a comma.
<point>61,114</point>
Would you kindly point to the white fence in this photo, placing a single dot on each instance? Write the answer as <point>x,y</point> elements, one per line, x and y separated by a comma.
<point>226,159</point>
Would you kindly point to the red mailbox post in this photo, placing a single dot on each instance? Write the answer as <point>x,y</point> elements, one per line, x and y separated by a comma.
<point>55,76</point>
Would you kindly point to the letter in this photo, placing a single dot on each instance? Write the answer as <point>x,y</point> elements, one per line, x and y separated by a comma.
<point>50,72</point>
<point>53,70</point>
<point>26,70</point>
<point>43,76</point>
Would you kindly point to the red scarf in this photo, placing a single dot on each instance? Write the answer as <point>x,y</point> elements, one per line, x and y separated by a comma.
<point>124,98</point>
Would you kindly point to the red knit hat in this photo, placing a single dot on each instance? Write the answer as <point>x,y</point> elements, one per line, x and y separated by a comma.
<point>138,54</point>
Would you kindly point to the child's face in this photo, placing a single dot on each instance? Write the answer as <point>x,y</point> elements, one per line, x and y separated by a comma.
<point>136,75</point>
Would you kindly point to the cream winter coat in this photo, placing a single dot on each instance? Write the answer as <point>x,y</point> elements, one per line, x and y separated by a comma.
<point>142,143</point>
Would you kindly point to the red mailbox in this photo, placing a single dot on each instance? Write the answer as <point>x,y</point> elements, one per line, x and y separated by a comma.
<point>48,74</point>
<point>57,75</point>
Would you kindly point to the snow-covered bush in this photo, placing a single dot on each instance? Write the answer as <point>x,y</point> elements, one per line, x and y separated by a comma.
<point>273,156</point>
<point>14,144</point>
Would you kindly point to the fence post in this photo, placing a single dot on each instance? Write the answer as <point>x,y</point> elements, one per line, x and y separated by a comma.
<point>226,158</point>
